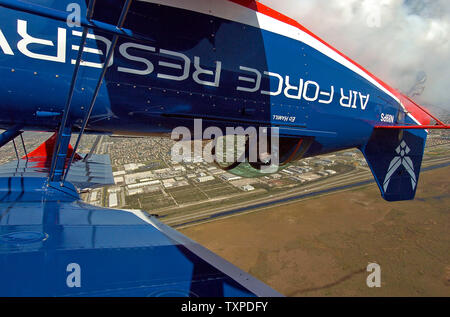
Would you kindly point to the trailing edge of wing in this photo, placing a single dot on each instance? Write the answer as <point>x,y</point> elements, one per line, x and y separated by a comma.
<point>52,244</point>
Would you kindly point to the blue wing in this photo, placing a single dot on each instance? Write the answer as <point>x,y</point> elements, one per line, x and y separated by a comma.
<point>53,244</point>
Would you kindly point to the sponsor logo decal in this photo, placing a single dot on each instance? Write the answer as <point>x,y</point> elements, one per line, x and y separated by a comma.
<point>401,160</point>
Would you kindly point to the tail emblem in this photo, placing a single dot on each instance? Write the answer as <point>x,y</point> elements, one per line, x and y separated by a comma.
<point>402,150</point>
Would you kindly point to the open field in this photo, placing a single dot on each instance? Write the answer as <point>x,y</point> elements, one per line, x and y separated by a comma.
<point>321,246</point>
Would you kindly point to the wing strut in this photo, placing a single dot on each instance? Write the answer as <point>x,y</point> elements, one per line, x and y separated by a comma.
<point>9,135</point>
<point>94,147</point>
<point>24,148</point>
<point>15,149</point>
<point>120,24</point>
<point>58,171</point>
<point>59,155</point>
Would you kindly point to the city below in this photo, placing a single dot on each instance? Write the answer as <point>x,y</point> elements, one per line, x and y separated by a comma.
<point>184,193</point>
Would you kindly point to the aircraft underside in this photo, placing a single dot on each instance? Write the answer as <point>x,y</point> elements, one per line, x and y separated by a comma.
<point>148,68</point>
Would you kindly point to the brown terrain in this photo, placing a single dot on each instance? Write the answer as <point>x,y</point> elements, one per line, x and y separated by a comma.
<point>322,246</point>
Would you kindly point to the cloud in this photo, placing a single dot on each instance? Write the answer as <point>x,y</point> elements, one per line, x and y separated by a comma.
<point>400,41</point>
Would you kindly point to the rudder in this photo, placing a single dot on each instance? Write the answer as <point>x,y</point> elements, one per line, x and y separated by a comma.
<point>395,158</point>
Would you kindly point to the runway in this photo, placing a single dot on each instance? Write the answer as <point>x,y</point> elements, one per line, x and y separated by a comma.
<point>339,183</point>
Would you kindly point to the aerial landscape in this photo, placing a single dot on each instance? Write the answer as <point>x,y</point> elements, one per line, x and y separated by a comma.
<point>225,154</point>
<point>310,230</point>
<point>321,246</point>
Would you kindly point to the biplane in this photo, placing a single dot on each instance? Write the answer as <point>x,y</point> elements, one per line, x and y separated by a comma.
<point>144,68</point>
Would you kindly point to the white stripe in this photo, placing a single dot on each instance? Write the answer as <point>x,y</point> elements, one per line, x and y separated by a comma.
<point>238,13</point>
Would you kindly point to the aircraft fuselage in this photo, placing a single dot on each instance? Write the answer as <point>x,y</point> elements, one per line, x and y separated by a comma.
<point>203,63</point>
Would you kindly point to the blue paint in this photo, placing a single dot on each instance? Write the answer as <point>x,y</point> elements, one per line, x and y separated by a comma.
<point>381,155</point>
<point>9,135</point>
<point>126,103</point>
<point>47,114</point>
<point>43,225</point>
<point>119,255</point>
<point>35,189</point>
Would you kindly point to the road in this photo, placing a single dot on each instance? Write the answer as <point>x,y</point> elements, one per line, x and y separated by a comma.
<point>347,181</point>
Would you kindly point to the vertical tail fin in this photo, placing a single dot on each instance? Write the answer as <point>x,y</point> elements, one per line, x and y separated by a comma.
<point>395,158</point>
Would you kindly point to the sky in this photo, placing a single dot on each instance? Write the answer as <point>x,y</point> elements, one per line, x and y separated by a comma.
<point>405,43</point>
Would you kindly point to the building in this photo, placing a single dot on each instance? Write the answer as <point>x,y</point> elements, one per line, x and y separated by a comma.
<point>182,183</point>
<point>247,188</point>
<point>136,191</point>
<point>299,179</point>
<point>179,168</point>
<point>229,177</point>
<point>168,183</point>
<point>115,189</point>
<point>204,179</point>
<point>132,167</point>
<point>94,196</point>
<point>162,171</point>
<point>217,171</point>
<point>113,202</point>
<point>133,178</point>
<point>143,184</point>
<point>309,177</point>
<point>119,173</point>
<point>152,189</point>
<point>324,162</point>
<point>118,180</point>
<point>349,154</point>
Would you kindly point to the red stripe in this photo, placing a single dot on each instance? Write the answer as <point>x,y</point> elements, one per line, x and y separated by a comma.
<point>416,127</point>
<point>291,157</point>
<point>261,8</point>
<point>45,150</point>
